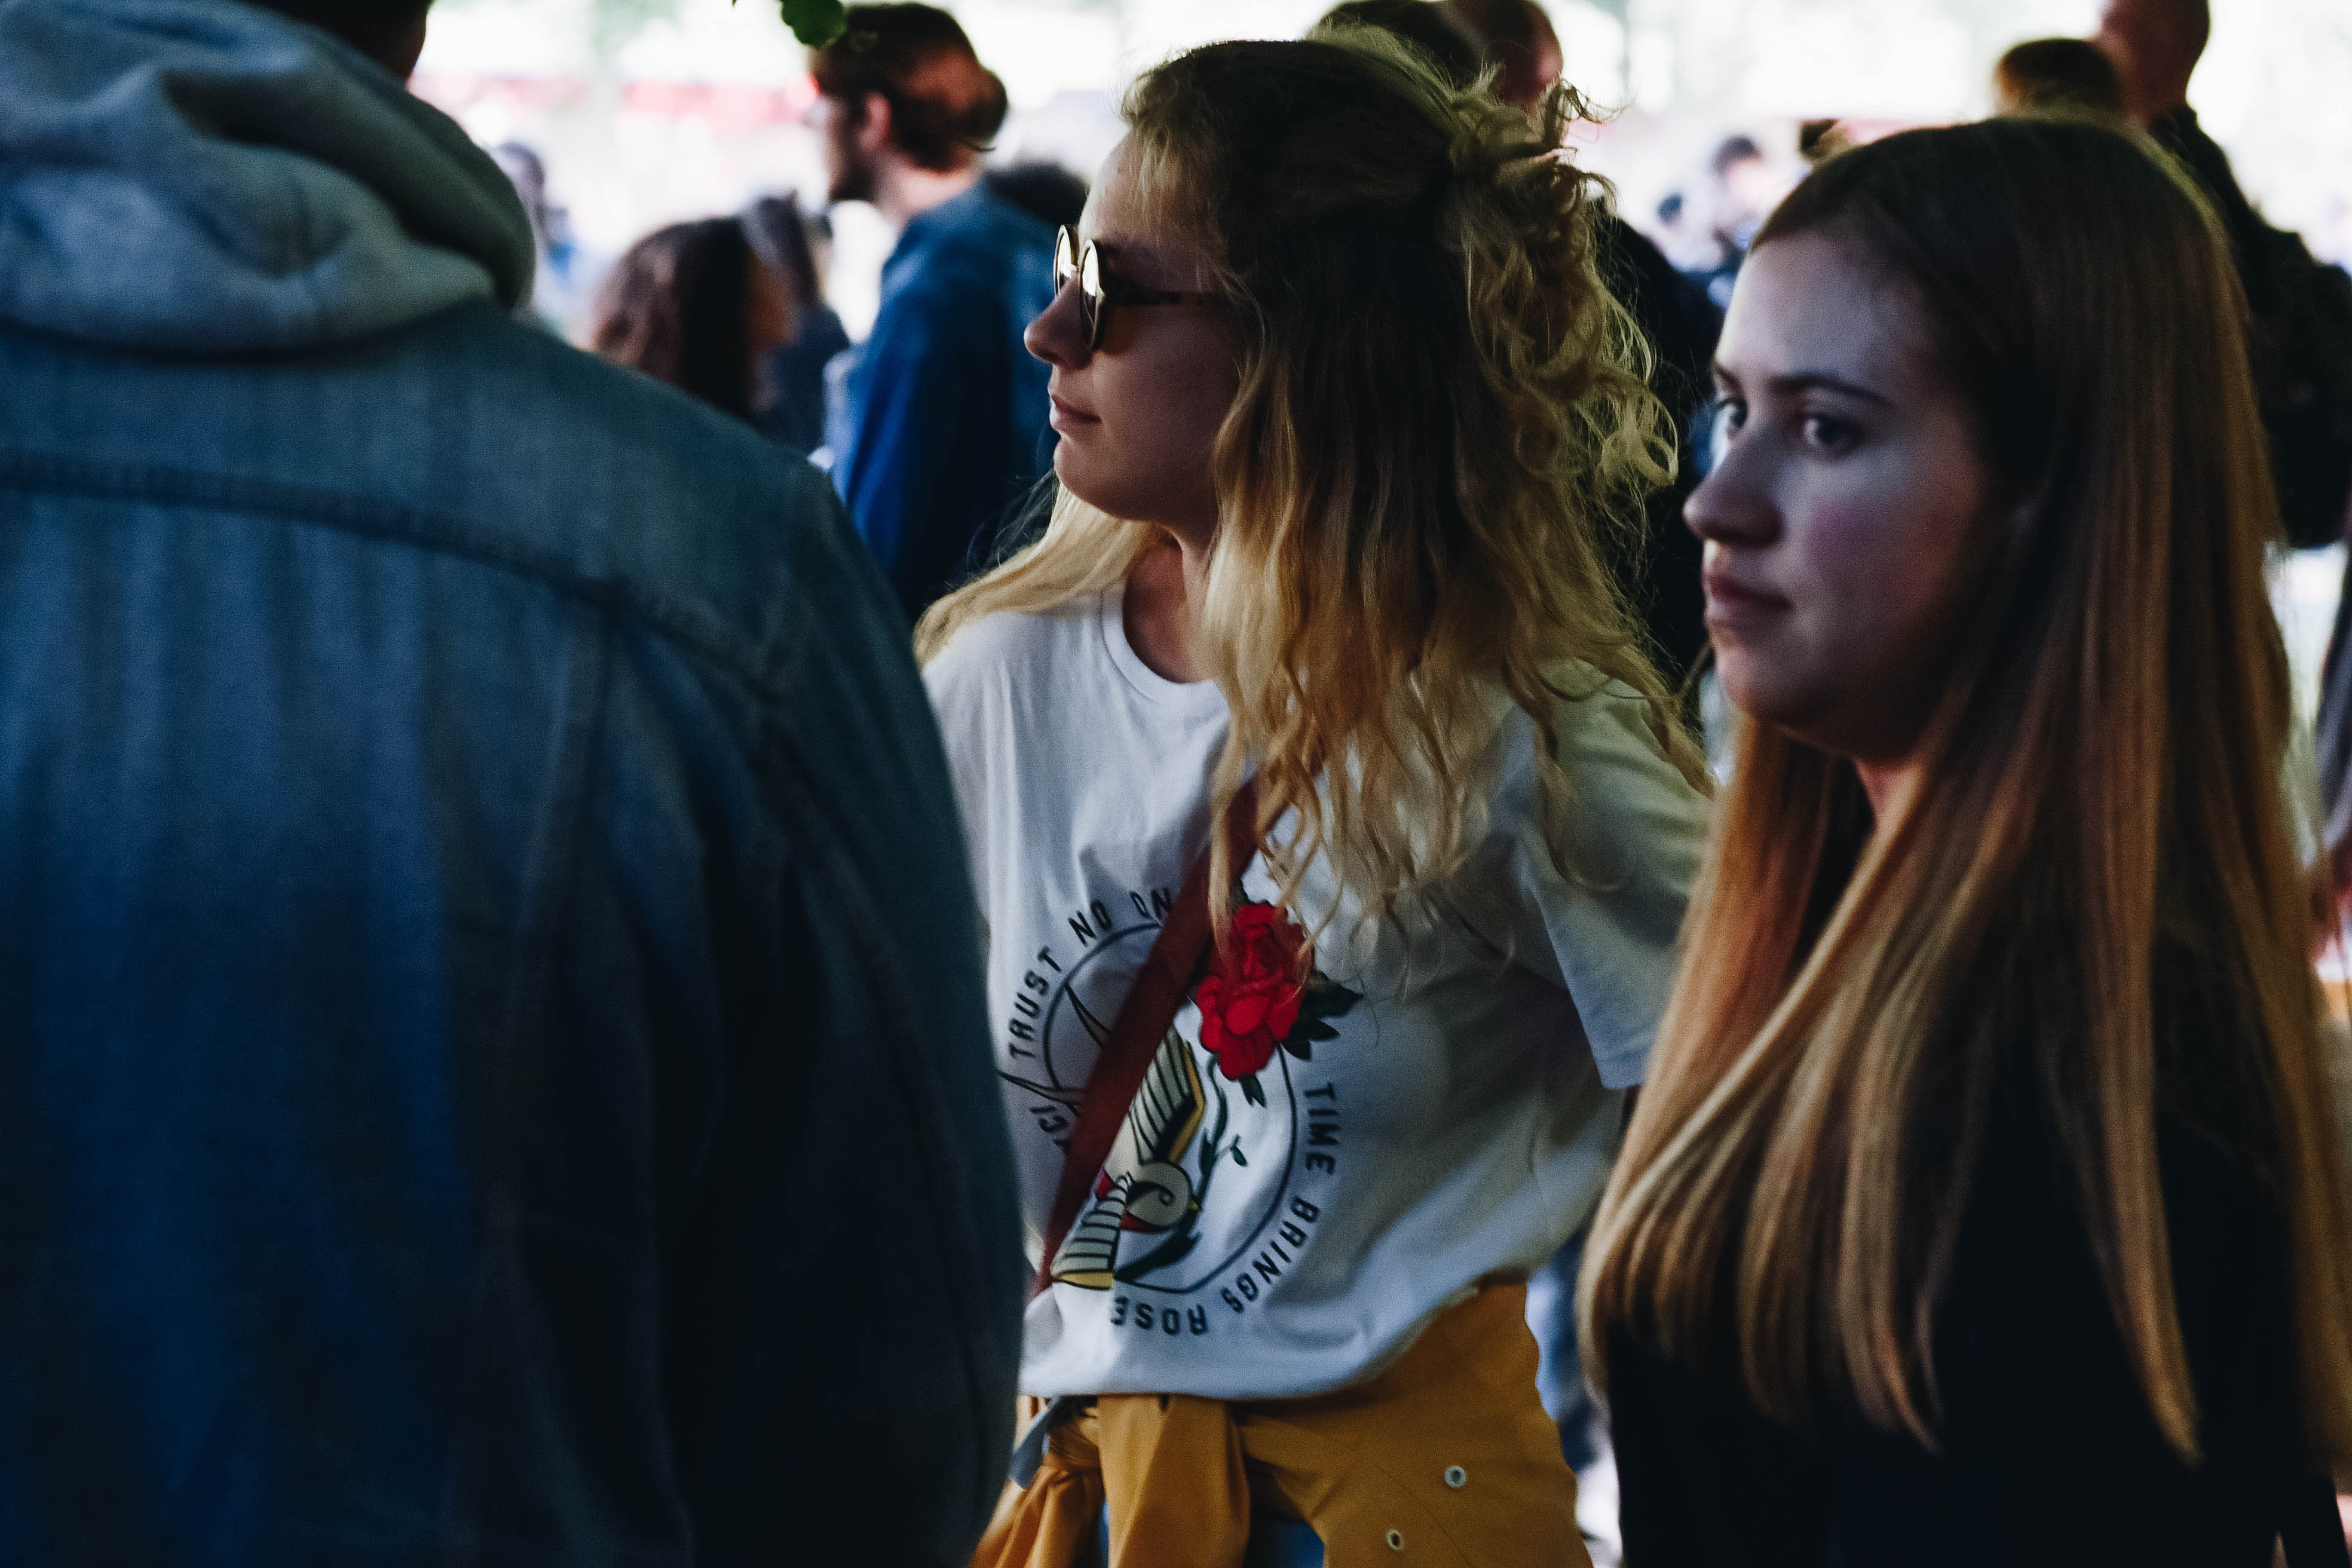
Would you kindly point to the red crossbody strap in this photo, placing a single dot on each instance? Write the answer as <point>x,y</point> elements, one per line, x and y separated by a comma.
<point>1170,972</point>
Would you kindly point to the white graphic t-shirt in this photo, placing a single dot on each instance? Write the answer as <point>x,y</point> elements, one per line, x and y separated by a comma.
<point>1307,1174</point>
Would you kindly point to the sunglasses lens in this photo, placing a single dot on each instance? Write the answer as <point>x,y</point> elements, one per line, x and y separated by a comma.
<point>1073,260</point>
<point>1090,296</point>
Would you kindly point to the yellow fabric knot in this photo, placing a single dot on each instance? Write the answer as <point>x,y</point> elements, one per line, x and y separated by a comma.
<point>1371,1468</point>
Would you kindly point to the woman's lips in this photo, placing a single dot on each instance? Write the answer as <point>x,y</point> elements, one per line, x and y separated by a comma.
<point>1066,417</point>
<point>1733,603</point>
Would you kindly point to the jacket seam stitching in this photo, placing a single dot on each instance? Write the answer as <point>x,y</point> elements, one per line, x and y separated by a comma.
<point>363,517</point>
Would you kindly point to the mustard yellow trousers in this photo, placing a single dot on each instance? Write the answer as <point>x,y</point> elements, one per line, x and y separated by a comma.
<point>1446,1459</point>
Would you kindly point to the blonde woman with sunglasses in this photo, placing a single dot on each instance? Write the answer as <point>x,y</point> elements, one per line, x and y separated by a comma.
<point>1347,428</point>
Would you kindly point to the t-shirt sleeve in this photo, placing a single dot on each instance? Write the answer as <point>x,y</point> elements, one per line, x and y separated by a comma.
<point>960,699</point>
<point>1603,927</point>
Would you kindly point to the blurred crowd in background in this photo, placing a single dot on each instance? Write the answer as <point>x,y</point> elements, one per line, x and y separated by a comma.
<point>650,112</point>
<point>670,155</point>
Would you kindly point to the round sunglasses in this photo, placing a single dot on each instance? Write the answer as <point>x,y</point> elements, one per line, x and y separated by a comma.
<point>1098,292</point>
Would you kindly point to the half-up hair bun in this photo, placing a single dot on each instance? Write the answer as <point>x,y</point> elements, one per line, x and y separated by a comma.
<point>1429,481</point>
<point>971,112</point>
<point>945,106</point>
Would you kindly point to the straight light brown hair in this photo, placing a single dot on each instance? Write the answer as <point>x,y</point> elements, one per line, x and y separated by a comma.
<point>1441,438</point>
<point>2104,782</point>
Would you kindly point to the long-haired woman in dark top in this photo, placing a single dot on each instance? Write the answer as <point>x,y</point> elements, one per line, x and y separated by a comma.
<point>694,305</point>
<point>1983,1207</point>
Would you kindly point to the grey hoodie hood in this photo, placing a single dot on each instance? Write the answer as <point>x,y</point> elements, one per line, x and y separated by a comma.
<point>201,176</point>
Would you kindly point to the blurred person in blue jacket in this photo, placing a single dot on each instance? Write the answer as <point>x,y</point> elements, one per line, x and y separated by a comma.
<point>943,430</point>
<point>492,1064</point>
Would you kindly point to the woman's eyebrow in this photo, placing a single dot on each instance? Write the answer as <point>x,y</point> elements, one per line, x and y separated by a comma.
<point>1803,381</point>
<point>1811,380</point>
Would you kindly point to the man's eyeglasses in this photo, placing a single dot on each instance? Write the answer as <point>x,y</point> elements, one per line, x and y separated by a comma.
<point>1098,292</point>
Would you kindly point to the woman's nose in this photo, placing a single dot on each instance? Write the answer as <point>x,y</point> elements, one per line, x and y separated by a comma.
<point>1054,336</point>
<point>1733,505</point>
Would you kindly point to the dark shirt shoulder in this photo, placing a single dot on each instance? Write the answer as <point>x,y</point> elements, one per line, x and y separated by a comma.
<point>2046,1452</point>
<point>1681,325</point>
<point>1673,312</point>
<point>2298,340</point>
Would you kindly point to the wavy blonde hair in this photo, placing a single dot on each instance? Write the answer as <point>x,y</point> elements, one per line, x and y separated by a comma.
<point>1433,463</point>
<point>2104,783</point>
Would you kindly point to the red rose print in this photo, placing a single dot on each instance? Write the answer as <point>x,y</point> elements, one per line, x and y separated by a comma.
<point>1249,1004</point>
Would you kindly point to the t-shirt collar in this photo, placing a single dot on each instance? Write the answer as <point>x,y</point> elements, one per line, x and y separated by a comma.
<point>1186,698</point>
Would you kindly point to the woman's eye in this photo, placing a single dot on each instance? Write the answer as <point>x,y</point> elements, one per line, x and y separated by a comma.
<point>1718,422</point>
<point>1721,421</point>
<point>1826,432</point>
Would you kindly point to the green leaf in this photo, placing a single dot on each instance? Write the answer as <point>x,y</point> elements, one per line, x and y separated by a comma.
<point>1326,1001</point>
<point>1250,1090</point>
<point>1239,1158</point>
<point>815,23</point>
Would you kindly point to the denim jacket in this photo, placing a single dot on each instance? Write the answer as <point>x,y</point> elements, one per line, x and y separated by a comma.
<point>491,1056</point>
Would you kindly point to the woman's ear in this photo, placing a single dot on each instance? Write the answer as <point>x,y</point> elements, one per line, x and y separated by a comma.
<point>873,127</point>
